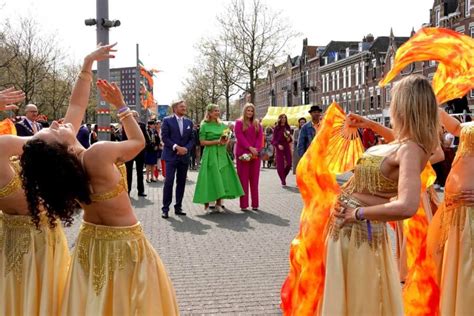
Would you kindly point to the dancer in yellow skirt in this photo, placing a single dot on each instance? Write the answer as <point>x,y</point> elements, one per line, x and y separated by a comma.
<point>451,233</point>
<point>34,256</point>
<point>114,269</point>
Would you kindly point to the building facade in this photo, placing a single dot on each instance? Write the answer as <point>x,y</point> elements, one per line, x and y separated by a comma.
<point>349,72</point>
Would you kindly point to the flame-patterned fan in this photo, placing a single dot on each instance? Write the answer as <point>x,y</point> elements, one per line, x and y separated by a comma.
<point>7,127</point>
<point>344,144</point>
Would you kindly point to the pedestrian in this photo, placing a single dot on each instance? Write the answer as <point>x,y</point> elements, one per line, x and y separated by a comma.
<point>83,136</point>
<point>268,151</point>
<point>151,151</point>
<point>94,135</point>
<point>217,179</point>
<point>231,142</point>
<point>281,141</point>
<point>159,163</point>
<point>296,135</point>
<point>139,160</point>
<point>177,135</point>
<point>194,150</point>
<point>309,130</point>
<point>248,133</point>
<point>28,126</point>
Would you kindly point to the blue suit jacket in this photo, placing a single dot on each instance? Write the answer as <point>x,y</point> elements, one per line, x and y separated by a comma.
<point>307,134</point>
<point>170,136</point>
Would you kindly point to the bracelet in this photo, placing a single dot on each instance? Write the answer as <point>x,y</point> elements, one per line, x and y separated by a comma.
<point>85,75</point>
<point>123,109</point>
<point>128,111</point>
<point>359,214</point>
<point>125,116</point>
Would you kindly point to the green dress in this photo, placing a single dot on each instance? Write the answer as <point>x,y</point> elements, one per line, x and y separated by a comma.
<point>217,178</point>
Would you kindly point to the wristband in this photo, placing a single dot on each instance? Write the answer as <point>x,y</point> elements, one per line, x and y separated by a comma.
<point>123,109</point>
<point>125,116</point>
<point>359,214</point>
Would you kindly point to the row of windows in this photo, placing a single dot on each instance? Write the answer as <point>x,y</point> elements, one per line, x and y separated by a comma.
<point>332,81</point>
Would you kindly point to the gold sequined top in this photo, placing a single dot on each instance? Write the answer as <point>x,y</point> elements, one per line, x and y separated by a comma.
<point>466,141</point>
<point>368,177</point>
<point>15,183</point>
<point>119,188</point>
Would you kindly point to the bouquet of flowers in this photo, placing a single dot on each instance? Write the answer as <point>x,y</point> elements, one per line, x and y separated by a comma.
<point>246,157</point>
<point>287,135</point>
<point>225,134</point>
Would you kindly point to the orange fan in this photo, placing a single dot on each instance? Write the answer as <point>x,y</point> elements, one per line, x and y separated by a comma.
<point>7,127</point>
<point>345,145</point>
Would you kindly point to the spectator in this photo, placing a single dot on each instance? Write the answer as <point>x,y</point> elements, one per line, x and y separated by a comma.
<point>296,134</point>
<point>308,131</point>
<point>139,160</point>
<point>94,136</point>
<point>282,140</point>
<point>83,136</point>
<point>28,125</point>
<point>248,133</point>
<point>151,151</point>
<point>268,151</point>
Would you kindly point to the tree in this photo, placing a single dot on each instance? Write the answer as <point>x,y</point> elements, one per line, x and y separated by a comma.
<point>258,35</point>
<point>222,56</point>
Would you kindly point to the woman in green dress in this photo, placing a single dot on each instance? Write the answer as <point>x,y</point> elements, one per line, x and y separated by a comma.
<point>217,179</point>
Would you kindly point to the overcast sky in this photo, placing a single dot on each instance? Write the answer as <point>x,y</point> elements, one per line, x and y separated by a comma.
<point>167,31</point>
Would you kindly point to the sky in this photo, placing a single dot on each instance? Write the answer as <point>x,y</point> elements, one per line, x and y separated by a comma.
<point>168,31</point>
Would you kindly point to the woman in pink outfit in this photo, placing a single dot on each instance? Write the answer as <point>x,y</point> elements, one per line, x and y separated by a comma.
<point>248,133</point>
<point>281,141</point>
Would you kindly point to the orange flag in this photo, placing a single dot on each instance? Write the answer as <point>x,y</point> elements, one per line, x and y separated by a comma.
<point>454,77</point>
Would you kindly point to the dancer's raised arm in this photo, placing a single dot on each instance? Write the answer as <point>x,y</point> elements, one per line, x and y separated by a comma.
<point>81,91</point>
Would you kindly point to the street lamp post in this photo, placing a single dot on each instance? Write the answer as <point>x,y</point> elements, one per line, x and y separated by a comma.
<point>103,67</point>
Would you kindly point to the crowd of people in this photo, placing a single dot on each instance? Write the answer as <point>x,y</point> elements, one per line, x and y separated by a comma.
<point>113,269</point>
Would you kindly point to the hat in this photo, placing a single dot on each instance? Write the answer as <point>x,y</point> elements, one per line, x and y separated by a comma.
<point>315,108</point>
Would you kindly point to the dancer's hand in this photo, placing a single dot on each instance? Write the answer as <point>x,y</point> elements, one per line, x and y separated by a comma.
<point>9,96</point>
<point>344,212</point>
<point>467,196</point>
<point>358,121</point>
<point>111,93</point>
<point>102,52</point>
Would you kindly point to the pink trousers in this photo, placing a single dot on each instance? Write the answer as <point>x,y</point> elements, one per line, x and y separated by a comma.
<point>249,173</point>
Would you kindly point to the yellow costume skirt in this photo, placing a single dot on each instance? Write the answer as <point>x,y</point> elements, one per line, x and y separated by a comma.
<point>116,271</point>
<point>33,266</point>
<point>451,242</point>
<point>361,274</point>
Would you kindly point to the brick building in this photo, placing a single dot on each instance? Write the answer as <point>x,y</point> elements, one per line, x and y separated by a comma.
<point>349,72</point>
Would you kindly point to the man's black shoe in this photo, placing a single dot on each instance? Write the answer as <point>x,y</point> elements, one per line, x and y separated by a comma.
<point>180,212</point>
<point>141,194</point>
<point>164,215</point>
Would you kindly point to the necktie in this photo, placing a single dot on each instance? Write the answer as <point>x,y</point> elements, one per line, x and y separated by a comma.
<point>180,124</point>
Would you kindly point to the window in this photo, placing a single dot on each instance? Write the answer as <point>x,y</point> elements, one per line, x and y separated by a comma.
<point>472,31</point>
<point>327,82</point>
<point>356,67</point>
<point>344,102</point>
<point>323,101</point>
<point>333,77</point>
<point>349,77</point>
<point>467,8</point>
<point>374,68</point>
<point>388,96</point>
<point>337,79</point>
<point>379,99</point>
<point>356,105</point>
<point>344,79</point>
<point>362,79</point>
<point>349,102</point>
<point>437,15</point>
<point>324,82</point>
<point>372,100</point>
<point>362,102</point>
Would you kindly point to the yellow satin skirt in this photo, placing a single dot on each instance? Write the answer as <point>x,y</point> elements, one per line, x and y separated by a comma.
<point>33,266</point>
<point>116,271</point>
<point>451,242</point>
<point>361,274</point>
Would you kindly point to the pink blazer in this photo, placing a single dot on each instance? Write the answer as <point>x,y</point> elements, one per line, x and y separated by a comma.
<point>248,138</point>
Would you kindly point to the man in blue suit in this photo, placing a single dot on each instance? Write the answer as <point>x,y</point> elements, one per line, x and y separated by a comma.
<point>308,131</point>
<point>178,138</point>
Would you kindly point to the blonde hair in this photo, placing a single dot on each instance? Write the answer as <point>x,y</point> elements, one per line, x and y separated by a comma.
<point>414,112</point>
<point>246,122</point>
<point>211,107</point>
<point>175,103</point>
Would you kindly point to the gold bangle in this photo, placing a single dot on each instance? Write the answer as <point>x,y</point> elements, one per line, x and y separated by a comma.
<point>125,116</point>
<point>85,75</point>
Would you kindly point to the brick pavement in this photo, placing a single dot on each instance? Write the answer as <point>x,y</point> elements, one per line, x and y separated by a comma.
<point>231,263</point>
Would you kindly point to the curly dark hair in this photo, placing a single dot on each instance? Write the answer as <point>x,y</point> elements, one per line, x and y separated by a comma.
<point>53,178</point>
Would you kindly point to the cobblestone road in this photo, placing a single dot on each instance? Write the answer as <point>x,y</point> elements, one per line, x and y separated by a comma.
<point>231,263</point>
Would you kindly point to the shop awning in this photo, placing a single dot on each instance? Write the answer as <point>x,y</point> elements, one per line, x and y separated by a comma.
<point>294,113</point>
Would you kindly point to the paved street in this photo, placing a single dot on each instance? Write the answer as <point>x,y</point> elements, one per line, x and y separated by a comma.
<point>232,263</point>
